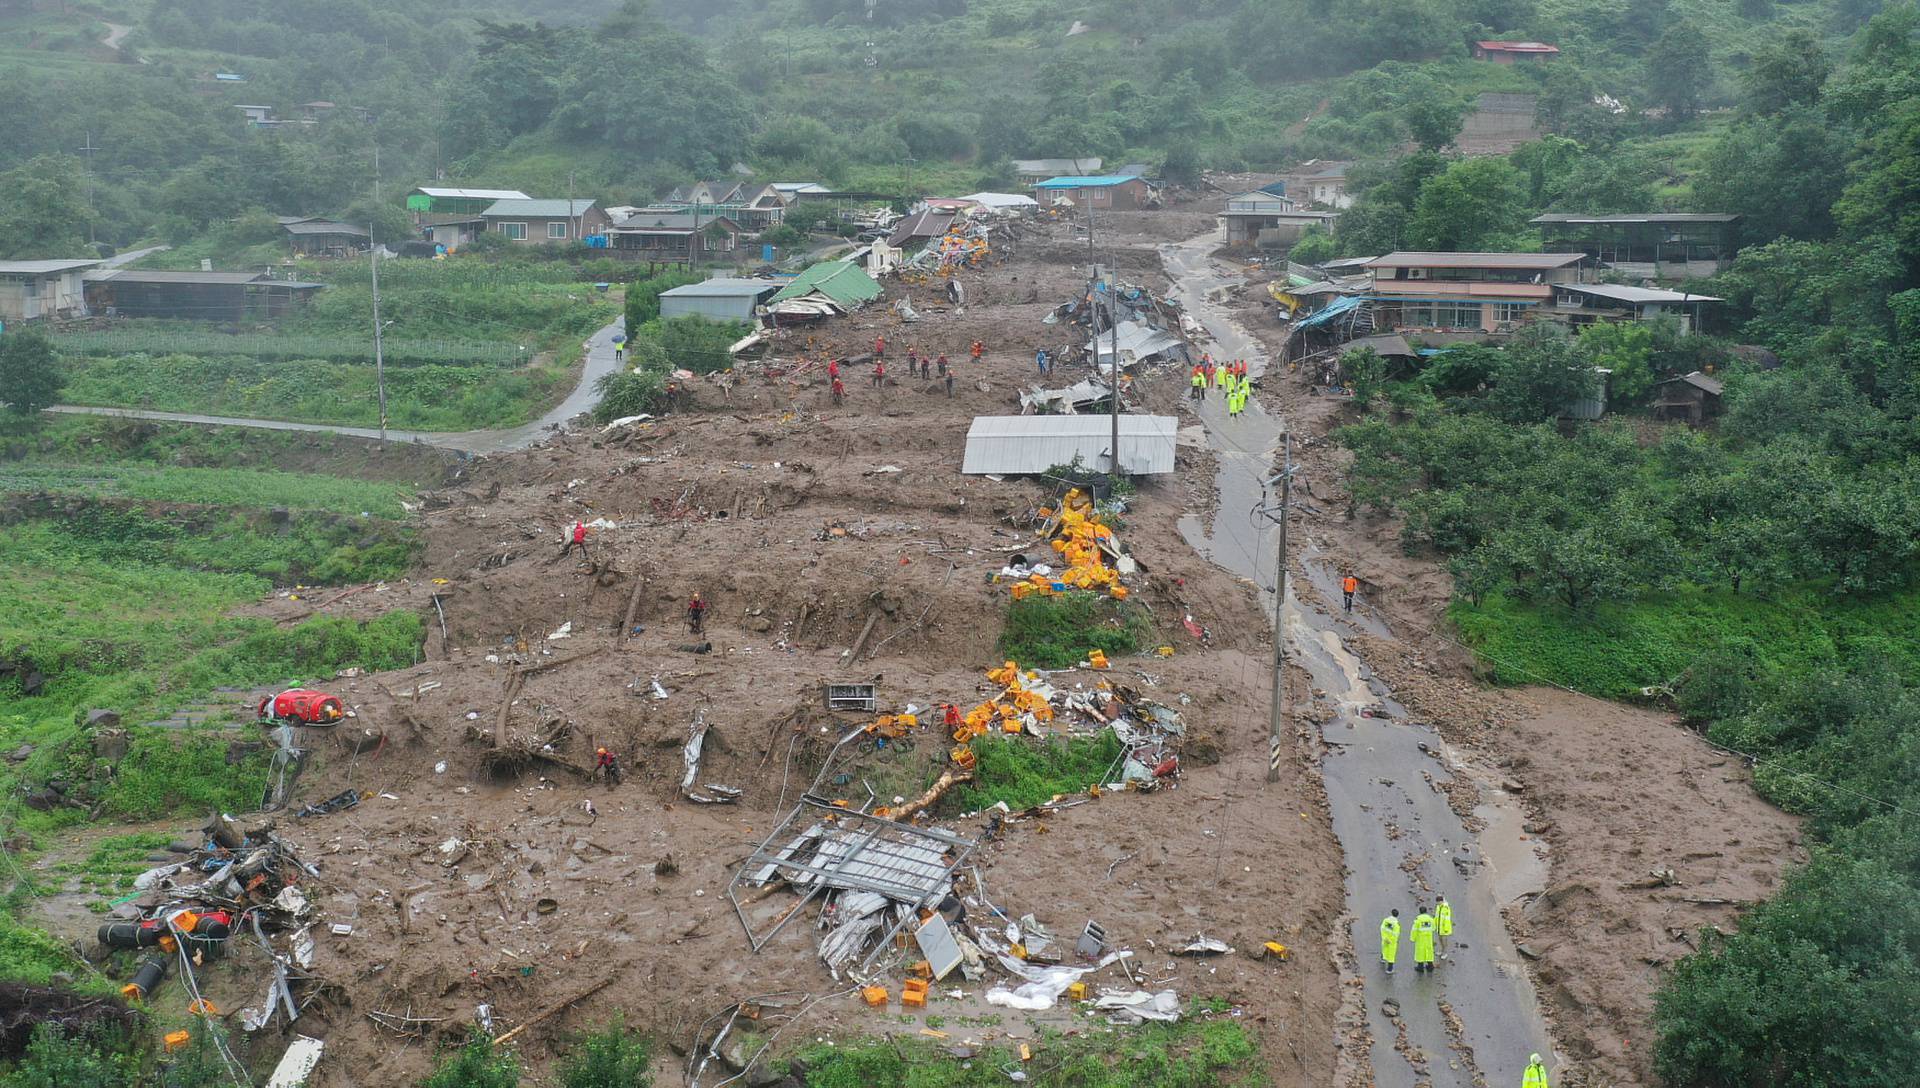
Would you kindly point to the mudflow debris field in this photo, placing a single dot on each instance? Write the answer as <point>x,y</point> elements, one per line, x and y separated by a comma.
<point>801,820</point>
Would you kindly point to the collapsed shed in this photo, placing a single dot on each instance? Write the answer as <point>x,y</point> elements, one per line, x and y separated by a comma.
<point>828,289</point>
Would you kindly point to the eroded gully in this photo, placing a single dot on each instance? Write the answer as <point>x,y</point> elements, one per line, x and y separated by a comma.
<point>1475,1020</point>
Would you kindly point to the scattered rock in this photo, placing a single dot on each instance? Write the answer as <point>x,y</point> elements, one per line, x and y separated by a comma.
<point>110,745</point>
<point>1539,828</point>
<point>102,719</point>
<point>20,754</point>
<point>1390,1007</point>
<point>1527,950</point>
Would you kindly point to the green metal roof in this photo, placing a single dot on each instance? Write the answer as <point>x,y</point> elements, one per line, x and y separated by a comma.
<point>842,281</point>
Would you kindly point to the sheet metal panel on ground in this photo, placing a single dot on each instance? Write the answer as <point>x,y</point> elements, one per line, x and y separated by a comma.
<point>1013,445</point>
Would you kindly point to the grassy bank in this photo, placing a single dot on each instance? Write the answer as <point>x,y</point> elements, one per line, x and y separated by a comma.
<point>428,398</point>
<point>1197,1052</point>
<point>1619,647</point>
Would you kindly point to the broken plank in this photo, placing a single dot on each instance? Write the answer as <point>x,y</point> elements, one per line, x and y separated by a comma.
<point>557,1009</point>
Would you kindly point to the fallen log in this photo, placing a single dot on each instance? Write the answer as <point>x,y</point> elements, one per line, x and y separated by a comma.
<point>859,644</point>
<point>951,778</point>
<point>633,607</point>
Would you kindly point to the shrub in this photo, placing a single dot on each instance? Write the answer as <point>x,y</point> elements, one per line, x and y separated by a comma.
<point>56,1059</point>
<point>476,1065</point>
<point>628,393</point>
<point>1056,631</point>
<point>610,1058</point>
<point>1023,772</point>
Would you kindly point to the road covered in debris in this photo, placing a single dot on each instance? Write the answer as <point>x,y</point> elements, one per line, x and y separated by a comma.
<point>1475,1020</point>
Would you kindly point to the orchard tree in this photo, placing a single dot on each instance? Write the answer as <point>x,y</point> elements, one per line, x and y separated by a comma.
<point>1472,204</point>
<point>30,374</point>
<point>1539,376</point>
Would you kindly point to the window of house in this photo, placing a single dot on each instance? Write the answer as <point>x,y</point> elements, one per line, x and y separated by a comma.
<point>516,232</point>
<point>556,230</point>
<point>1416,314</point>
<point>1457,315</point>
<point>1507,313</point>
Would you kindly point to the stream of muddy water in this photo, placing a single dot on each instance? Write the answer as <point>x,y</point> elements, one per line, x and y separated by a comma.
<point>1475,1019</point>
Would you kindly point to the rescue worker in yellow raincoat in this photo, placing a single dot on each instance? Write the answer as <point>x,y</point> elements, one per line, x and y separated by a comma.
<point>1443,920</point>
<point>1390,940</point>
<point>1423,942</point>
<point>1536,1076</point>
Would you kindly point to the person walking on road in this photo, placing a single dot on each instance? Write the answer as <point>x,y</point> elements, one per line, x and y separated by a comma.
<point>1536,1075</point>
<point>619,347</point>
<point>1443,923</point>
<point>1422,942</point>
<point>577,540</point>
<point>696,615</point>
<point>1347,587</point>
<point>1390,940</point>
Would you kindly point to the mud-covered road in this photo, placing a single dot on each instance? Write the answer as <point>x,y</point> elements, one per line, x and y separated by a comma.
<point>1477,1018</point>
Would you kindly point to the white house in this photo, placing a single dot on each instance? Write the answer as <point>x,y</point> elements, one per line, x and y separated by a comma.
<point>36,289</point>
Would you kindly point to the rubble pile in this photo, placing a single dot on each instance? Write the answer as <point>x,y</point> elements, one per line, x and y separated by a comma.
<point>239,886</point>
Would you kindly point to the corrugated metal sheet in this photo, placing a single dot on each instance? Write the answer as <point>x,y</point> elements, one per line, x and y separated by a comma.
<point>843,282</point>
<point>1429,259</point>
<point>538,209</point>
<point>1100,181</point>
<point>1015,445</point>
<point>1139,342</point>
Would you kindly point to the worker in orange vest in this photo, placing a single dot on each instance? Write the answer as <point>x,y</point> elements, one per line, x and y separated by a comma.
<point>977,350</point>
<point>1347,586</point>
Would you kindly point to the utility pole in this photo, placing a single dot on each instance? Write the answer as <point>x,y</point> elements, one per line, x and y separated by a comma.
<point>573,228</point>
<point>88,149</point>
<point>1113,387</point>
<point>1278,704</point>
<point>379,357</point>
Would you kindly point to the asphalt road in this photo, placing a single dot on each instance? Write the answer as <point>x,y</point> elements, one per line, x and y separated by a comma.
<point>1400,838</point>
<point>599,362</point>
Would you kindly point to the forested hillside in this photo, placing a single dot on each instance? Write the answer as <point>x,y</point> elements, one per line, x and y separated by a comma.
<point>626,99</point>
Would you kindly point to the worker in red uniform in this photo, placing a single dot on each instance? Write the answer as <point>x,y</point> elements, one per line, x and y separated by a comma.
<point>833,368</point>
<point>1206,367</point>
<point>696,614</point>
<point>951,719</point>
<point>577,540</point>
<point>839,390</point>
<point>941,362</point>
<point>879,372</point>
<point>978,349</point>
<point>1347,587</point>
<point>913,358</point>
<point>606,764</point>
<point>880,347</point>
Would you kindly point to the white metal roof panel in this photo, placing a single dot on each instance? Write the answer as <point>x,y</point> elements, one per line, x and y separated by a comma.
<point>1014,445</point>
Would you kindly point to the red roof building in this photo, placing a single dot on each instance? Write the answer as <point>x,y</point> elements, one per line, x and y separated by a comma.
<point>1513,52</point>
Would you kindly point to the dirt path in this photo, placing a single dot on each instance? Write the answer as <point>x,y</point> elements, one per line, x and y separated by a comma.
<point>599,362</point>
<point>1389,785</point>
<point>116,33</point>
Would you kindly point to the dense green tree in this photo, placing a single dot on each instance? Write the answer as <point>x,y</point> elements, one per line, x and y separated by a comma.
<point>1884,197</point>
<point>45,213</point>
<point>1433,120</point>
<point>56,1059</point>
<point>1472,204</point>
<point>1366,372</point>
<point>1539,376</point>
<point>1780,175</point>
<point>1679,70</point>
<point>1786,71</point>
<point>30,374</point>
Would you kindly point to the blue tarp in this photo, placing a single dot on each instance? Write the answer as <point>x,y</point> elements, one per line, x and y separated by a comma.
<point>1334,309</point>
